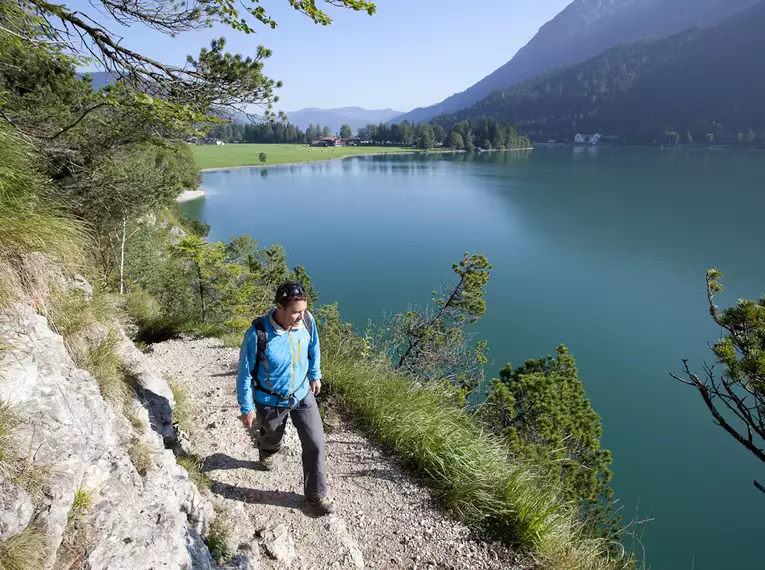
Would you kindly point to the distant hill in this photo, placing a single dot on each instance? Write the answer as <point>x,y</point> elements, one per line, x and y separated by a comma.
<point>584,29</point>
<point>705,80</point>
<point>99,78</point>
<point>356,117</point>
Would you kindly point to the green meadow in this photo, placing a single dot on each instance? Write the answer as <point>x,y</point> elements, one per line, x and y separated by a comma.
<point>232,155</point>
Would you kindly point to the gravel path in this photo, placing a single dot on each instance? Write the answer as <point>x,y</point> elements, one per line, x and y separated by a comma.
<point>384,519</point>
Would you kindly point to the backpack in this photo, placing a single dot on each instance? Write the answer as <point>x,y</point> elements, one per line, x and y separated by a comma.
<point>259,324</point>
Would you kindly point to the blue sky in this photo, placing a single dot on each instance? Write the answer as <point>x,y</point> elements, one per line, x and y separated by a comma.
<point>412,53</point>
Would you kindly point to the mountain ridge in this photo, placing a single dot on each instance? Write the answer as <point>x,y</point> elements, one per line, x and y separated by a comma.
<point>334,118</point>
<point>700,82</point>
<point>584,29</point>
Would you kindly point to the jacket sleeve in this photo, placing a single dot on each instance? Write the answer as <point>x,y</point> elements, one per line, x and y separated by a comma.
<point>244,376</point>
<point>314,354</point>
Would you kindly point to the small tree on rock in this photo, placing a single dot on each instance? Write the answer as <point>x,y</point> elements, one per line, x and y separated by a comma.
<point>736,396</point>
<point>431,345</point>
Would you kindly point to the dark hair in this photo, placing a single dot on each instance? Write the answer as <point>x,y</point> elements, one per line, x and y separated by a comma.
<point>288,292</point>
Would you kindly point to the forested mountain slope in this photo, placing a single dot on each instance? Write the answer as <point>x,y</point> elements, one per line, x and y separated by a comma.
<point>706,81</point>
<point>582,30</point>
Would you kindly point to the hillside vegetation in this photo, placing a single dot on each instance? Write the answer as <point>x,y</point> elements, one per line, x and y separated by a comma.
<point>702,85</point>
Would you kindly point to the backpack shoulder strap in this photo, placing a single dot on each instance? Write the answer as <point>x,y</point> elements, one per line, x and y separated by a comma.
<point>308,322</point>
<point>259,324</point>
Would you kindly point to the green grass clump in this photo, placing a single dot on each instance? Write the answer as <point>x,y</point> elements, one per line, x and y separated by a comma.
<point>233,155</point>
<point>192,464</point>
<point>27,550</point>
<point>154,325</point>
<point>219,537</point>
<point>182,411</point>
<point>69,313</point>
<point>30,222</point>
<point>469,470</point>
<point>140,455</point>
<point>199,328</point>
<point>232,339</point>
<point>77,534</point>
<point>81,504</point>
<point>105,364</point>
<point>73,317</point>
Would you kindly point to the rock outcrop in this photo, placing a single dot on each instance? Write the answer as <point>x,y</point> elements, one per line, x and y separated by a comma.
<point>135,522</point>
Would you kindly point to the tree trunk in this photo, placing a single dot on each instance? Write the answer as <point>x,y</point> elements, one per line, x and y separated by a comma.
<point>430,324</point>
<point>122,257</point>
<point>201,291</point>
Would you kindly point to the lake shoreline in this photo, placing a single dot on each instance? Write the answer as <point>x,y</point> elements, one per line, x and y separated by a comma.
<point>187,195</point>
<point>304,162</point>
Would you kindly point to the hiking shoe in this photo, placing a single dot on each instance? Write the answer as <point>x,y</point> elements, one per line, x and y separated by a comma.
<point>322,507</point>
<point>268,462</point>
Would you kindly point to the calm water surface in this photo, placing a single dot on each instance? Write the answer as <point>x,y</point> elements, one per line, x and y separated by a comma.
<point>604,250</point>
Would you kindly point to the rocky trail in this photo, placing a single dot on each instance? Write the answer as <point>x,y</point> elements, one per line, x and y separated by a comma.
<point>384,518</point>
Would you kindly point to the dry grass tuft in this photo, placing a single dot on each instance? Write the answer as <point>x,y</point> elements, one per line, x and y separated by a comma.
<point>27,550</point>
<point>140,455</point>
<point>13,465</point>
<point>105,364</point>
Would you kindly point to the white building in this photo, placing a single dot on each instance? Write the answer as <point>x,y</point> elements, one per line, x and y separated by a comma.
<point>587,139</point>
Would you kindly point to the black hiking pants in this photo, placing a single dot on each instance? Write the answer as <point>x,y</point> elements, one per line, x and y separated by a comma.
<point>305,416</point>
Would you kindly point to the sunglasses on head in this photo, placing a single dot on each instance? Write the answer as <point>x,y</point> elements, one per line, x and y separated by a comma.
<point>293,291</point>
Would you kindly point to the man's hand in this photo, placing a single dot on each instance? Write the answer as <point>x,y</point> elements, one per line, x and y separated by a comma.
<point>247,419</point>
<point>316,387</point>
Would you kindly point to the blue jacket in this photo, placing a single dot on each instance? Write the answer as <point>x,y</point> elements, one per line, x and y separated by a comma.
<point>292,357</point>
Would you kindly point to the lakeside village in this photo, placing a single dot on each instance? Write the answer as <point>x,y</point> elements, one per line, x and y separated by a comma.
<point>335,141</point>
<point>329,140</point>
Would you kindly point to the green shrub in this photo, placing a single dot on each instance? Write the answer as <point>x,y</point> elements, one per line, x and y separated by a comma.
<point>541,410</point>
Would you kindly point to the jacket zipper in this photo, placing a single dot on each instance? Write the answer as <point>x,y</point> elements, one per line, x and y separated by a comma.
<point>292,350</point>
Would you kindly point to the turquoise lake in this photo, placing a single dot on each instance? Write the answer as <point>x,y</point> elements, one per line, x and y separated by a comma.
<point>604,250</point>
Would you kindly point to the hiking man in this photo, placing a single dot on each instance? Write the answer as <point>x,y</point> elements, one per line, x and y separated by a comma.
<point>279,377</point>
